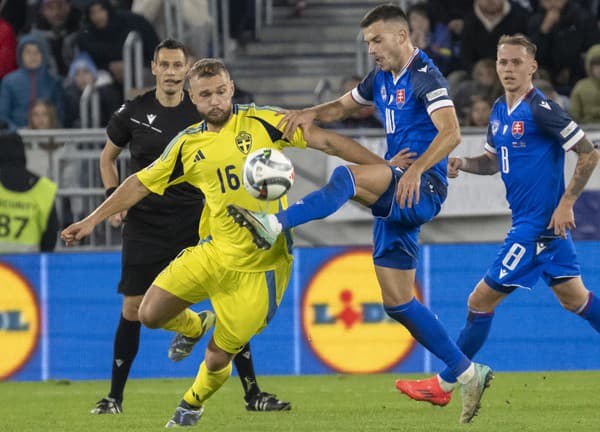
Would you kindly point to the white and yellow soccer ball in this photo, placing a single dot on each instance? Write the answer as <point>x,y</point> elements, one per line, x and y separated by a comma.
<point>268,174</point>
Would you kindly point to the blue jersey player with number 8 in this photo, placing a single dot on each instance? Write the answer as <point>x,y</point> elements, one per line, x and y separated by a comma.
<point>528,136</point>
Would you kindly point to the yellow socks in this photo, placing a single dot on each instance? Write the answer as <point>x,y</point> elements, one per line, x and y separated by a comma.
<point>206,383</point>
<point>187,323</point>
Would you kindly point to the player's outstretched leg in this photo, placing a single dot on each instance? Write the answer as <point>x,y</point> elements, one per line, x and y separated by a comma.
<point>264,401</point>
<point>107,405</point>
<point>427,390</point>
<point>185,415</point>
<point>472,392</point>
<point>182,346</point>
<point>261,225</point>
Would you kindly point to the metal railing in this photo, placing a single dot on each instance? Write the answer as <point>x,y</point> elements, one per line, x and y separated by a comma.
<point>174,19</point>
<point>133,63</point>
<point>363,61</point>
<point>74,165</point>
<point>89,107</point>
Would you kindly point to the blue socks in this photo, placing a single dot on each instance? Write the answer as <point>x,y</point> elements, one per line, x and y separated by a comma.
<point>471,338</point>
<point>591,311</point>
<point>430,333</point>
<point>320,203</point>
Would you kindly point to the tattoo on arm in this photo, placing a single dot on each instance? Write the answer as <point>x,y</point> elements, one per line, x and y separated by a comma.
<point>587,159</point>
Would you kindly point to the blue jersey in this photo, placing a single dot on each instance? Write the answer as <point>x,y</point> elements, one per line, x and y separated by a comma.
<point>406,104</point>
<point>530,141</point>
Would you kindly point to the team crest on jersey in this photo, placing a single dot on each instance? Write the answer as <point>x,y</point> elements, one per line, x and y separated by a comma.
<point>495,126</point>
<point>518,129</point>
<point>383,93</point>
<point>400,97</point>
<point>244,142</point>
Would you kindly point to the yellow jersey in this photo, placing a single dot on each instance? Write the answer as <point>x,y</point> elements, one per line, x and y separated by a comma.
<point>213,162</point>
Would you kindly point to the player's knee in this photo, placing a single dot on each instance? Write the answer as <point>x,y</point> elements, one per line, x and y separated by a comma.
<point>130,311</point>
<point>479,302</point>
<point>149,319</point>
<point>572,304</point>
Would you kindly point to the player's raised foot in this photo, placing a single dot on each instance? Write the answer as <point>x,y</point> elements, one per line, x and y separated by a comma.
<point>108,405</point>
<point>427,390</point>
<point>185,415</point>
<point>182,346</point>
<point>267,402</point>
<point>472,392</point>
<point>259,225</point>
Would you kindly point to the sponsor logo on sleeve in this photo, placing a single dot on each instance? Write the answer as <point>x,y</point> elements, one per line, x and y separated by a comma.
<point>436,94</point>
<point>568,130</point>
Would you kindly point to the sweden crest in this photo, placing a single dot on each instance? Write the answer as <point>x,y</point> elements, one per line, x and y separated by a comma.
<point>244,142</point>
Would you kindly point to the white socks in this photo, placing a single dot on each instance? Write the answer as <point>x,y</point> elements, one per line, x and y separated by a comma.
<point>467,375</point>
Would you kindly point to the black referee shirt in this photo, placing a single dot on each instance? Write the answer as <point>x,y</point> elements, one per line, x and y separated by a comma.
<point>148,127</point>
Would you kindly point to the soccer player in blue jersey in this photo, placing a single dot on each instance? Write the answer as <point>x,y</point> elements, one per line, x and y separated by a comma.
<point>528,136</point>
<point>412,97</point>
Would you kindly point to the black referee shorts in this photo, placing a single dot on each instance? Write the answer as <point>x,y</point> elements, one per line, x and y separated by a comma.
<point>137,278</point>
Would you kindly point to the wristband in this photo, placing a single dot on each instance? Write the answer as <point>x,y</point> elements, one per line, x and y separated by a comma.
<point>463,163</point>
<point>110,191</point>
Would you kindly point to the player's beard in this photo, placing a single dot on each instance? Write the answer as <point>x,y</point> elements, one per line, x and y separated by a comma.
<point>217,117</point>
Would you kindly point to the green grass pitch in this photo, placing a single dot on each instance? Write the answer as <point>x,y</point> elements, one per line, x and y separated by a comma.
<point>540,402</point>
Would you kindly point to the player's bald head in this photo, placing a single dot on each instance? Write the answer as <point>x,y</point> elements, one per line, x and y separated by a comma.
<point>388,13</point>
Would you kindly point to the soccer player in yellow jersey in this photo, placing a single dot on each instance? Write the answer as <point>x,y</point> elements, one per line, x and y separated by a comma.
<point>244,284</point>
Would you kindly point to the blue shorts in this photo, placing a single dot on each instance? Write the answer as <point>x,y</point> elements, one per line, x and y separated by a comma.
<point>520,264</point>
<point>396,230</point>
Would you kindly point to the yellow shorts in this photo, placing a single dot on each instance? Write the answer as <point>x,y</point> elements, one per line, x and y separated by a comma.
<point>244,302</point>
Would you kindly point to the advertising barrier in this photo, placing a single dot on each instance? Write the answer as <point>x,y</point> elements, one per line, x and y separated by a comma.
<point>58,314</point>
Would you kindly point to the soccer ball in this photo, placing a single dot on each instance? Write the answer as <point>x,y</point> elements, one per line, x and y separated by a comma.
<point>268,174</point>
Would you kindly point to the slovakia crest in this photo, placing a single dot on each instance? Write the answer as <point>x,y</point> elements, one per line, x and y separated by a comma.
<point>518,129</point>
<point>400,97</point>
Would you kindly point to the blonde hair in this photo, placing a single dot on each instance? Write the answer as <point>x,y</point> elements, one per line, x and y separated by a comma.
<point>207,67</point>
<point>519,39</point>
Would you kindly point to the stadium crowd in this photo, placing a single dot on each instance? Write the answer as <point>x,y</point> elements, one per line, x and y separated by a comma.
<point>51,50</point>
<point>68,44</point>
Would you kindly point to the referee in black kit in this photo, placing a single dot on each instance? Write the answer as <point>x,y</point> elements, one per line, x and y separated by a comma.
<point>158,227</point>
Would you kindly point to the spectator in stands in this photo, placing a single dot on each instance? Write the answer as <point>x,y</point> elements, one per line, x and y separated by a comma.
<point>42,115</point>
<point>31,81</point>
<point>105,32</point>
<point>479,113</point>
<point>26,202</point>
<point>584,104</point>
<point>563,31</point>
<point>484,25</point>
<point>242,15</point>
<point>431,37</point>
<point>451,13</point>
<point>82,72</point>
<point>15,12</point>
<point>196,19</point>
<point>8,48</point>
<point>59,24</point>
<point>365,117</point>
<point>484,85</point>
